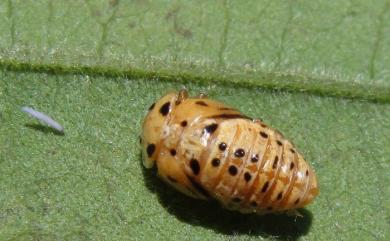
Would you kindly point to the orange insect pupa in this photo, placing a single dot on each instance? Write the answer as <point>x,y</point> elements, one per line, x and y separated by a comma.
<point>206,150</point>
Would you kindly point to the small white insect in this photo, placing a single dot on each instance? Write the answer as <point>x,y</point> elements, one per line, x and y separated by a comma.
<point>43,118</point>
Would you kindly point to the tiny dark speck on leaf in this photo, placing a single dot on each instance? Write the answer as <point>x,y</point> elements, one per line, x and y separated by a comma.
<point>113,3</point>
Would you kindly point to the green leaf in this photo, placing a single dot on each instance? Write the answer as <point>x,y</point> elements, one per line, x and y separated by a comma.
<point>96,66</point>
<point>89,183</point>
<point>321,47</point>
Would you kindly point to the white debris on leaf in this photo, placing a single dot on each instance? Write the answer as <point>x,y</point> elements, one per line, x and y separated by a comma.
<point>43,118</point>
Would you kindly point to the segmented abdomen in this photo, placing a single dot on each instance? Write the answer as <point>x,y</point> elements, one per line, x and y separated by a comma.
<point>244,164</point>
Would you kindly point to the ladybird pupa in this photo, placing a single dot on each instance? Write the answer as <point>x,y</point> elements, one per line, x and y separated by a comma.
<point>208,150</point>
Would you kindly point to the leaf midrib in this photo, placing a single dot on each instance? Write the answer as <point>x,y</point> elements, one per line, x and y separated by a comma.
<point>321,86</point>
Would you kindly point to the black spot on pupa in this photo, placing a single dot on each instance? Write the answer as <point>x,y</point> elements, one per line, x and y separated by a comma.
<point>255,158</point>
<point>253,204</point>
<point>236,200</point>
<point>247,176</point>
<point>194,165</point>
<point>150,149</point>
<point>226,108</point>
<point>292,165</point>
<point>296,201</point>
<point>280,195</point>
<point>292,150</point>
<point>202,103</point>
<point>279,143</point>
<point>275,162</point>
<point>239,152</point>
<point>211,128</point>
<point>173,152</point>
<point>164,110</point>
<point>171,179</point>
<point>198,187</point>
<point>233,170</point>
<point>307,172</point>
<point>215,162</point>
<point>222,146</point>
<point>152,106</point>
<point>230,116</point>
<point>263,134</point>
<point>183,123</point>
<point>265,187</point>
